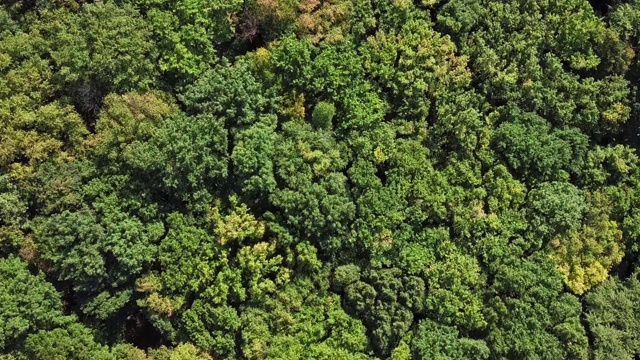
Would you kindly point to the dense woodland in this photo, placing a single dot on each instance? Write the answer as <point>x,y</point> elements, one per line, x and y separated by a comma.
<point>319,179</point>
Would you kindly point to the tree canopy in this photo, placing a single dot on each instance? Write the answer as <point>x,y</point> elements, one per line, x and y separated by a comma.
<point>305,179</point>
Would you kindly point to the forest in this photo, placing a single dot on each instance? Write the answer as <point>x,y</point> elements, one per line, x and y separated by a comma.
<point>319,179</point>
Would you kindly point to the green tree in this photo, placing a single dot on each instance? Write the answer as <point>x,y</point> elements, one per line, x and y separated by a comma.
<point>305,322</point>
<point>323,114</point>
<point>536,152</point>
<point>435,341</point>
<point>516,64</point>
<point>612,317</point>
<point>125,123</point>
<point>102,48</point>
<point>99,250</point>
<point>28,304</point>
<point>189,33</point>
<point>183,351</point>
<point>386,301</point>
<point>74,342</point>
<point>209,268</point>
<point>529,315</point>
<point>414,65</point>
<point>555,208</point>
<point>314,200</point>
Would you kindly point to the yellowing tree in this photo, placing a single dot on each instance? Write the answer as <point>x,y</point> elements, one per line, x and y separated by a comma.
<point>585,255</point>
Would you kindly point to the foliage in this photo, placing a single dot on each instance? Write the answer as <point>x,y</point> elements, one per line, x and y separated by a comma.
<point>29,304</point>
<point>613,319</point>
<point>303,179</point>
<point>322,115</point>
